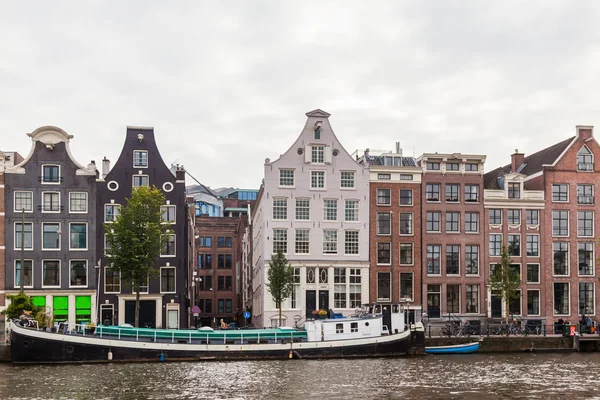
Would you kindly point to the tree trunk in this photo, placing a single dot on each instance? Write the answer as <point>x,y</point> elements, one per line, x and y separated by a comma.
<point>506,306</point>
<point>280,313</point>
<point>137,307</point>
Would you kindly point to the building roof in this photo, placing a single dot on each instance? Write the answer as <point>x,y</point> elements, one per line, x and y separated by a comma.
<point>192,189</point>
<point>378,160</point>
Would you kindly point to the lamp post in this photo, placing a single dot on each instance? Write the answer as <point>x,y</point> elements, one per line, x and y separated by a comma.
<point>98,266</point>
<point>21,280</point>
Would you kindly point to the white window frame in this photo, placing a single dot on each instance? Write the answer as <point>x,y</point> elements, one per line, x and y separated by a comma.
<point>412,198</point>
<point>357,210</point>
<point>43,203</point>
<point>15,201</point>
<point>104,248</point>
<point>353,175</point>
<point>527,274</point>
<point>538,245</point>
<point>539,302</point>
<point>520,244</point>
<point>59,237</point>
<point>120,283</point>
<point>593,297</point>
<point>86,203</point>
<point>568,223</point>
<point>593,223</point>
<point>325,208</point>
<point>412,250</point>
<point>280,207</point>
<point>552,193</point>
<point>412,224</point>
<point>357,242</point>
<point>174,247</point>
<point>15,235</point>
<point>42,175</point>
<point>118,206</point>
<point>314,154</point>
<point>315,172</point>
<point>285,233</point>
<point>16,286</point>
<point>147,160</point>
<point>167,207</point>
<point>59,273</point>
<point>334,242</point>
<point>478,298</point>
<point>281,178</point>
<point>87,274</point>
<point>593,260</point>
<point>302,209</point>
<point>412,286</point>
<point>137,176</point>
<point>86,236</point>
<point>384,299</point>
<point>174,279</point>
<point>568,302</point>
<point>568,259</point>
<point>297,242</point>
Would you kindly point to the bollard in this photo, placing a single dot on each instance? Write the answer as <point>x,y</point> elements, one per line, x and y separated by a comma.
<point>576,341</point>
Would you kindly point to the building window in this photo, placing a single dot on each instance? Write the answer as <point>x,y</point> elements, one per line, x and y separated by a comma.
<point>452,193</point>
<point>310,275</point>
<point>514,245</point>
<point>168,247</point>
<point>406,223</point>
<point>302,241</point>
<point>383,197</point>
<point>50,202</point>
<point>323,275</point>
<point>140,159</point>
<point>339,288</point>
<point>51,174</point>
<point>111,212</point>
<point>329,241</point>
<point>434,294</point>
<point>279,208</point>
<point>206,283</point>
<point>533,273</point>
<point>221,309</point>
<point>472,193</point>
<point>140,180</point>
<point>560,255</point>
<point>560,192</point>
<point>112,281</point>
<point>78,236</point>
<point>383,286</point>
<point>205,261</point>
<point>224,261</point>
<point>317,154</point>
<point>495,216</point>
<point>433,259</point>
<point>560,223</point>
<point>495,244</point>
<point>452,259</point>
<point>384,177</point>
<point>585,194</point>
<point>167,279</point>
<point>50,236</point>
<point>433,221</point>
<point>406,177</point>
<point>302,209</point>
<point>279,241</point>
<point>351,242</point>
<point>347,179</point>
<point>432,192</point>
<point>168,214</point>
<point>514,217</point>
<point>406,286</point>
<point>355,288</point>
<point>533,302</point>
<point>561,298</point>
<point>78,202</point>
<point>452,166</point>
<point>514,190</point>
<point>472,299</point>
<point>533,245</point>
<point>471,222</point>
<point>585,223</point>
<point>406,254</point>
<point>24,237</point>
<point>586,298</point>
<point>471,259</point>
<point>585,160</point>
<point>23,201</point>
<point>586,258</point>
<point>330,209</point>
<point>27,274</point>
<point>383,253</point>
<point>351,211</point>
<point>78,273</point>
<point>51,273</point>
<point>205,241</point>
<point>406,197</point>
<point>207,209</point>
<point>433,166</point>
<point>296,288</point>
<point>533,217</point>
<point>224,283</point>
<point>383,223</point>
<point>286,177</point>
<point>317,179</point>
<point>453,298</point>
<point>452,221</point>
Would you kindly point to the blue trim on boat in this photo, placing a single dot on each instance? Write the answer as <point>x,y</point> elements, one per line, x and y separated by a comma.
<point>454,349</point>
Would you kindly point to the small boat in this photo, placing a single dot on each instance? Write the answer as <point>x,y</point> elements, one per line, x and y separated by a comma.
<point>379,331</point>
<point>464,348</point>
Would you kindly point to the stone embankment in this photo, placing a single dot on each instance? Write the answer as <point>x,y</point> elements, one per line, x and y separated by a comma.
<point>511,344</point>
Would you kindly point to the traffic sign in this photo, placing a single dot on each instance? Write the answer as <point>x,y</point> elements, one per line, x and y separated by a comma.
<point>196,309</point>
<point>246,314</point>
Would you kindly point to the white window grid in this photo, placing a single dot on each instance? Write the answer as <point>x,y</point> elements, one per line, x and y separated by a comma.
<point>302,245</point>
<point>302,209</point>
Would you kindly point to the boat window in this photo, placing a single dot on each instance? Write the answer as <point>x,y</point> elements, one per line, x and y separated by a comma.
<point>366,324</point>
<point>395,309</point>
<point>377,309</point>
<point>339,328</point>
<point>354,327</point>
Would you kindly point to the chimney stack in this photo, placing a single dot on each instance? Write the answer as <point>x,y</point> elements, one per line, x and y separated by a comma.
<point>180,173</point>
<point>517,160</point>
<point>105,167</point>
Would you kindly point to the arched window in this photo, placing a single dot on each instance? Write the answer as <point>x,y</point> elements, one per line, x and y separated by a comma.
<point>585,160</point>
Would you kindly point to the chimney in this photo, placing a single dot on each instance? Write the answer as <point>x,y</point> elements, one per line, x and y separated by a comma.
<point>585,131</point>
<point>105,167</point>
<point>517,160</point>
<point>398,148</point>
<point>180,173</point>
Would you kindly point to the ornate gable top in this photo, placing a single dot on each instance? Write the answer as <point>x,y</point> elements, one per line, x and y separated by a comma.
<point>50,135</point>
<point>318,113</point>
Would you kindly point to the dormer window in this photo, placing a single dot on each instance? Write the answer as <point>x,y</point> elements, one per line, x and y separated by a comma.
<point>50,174</point>
<point>585,160</point>
<point>451,167</point>
<point>140,159</point>
<point>433,166</point>
<point>514,190</point>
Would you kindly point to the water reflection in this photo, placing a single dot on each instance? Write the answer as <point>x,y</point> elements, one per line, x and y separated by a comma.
<point>533,376</point>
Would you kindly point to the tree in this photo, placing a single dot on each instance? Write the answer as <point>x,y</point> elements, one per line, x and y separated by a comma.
<point>135,238</point>
<point>505,280</point>
<point>280,280</point>
<point>19,303</point>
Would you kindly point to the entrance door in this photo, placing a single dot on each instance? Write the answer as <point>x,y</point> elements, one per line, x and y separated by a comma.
<point>324,300</point>
<point>496,306</point>
<point>311,302</point>
<point>107,314</point>
<point>147,313</point>
<point>172,318</point>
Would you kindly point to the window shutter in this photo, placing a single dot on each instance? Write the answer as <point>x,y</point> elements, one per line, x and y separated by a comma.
<point>307,154</point>
<point>328,155</point>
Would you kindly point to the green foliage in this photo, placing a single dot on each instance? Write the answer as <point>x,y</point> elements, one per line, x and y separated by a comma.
<point>505,280</point>
<point>280,281</point>
<point>135,238</point>
<point>44,320</point>
<point>19,303</point>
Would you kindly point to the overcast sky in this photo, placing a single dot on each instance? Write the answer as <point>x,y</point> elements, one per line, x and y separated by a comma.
<point>226,84</point>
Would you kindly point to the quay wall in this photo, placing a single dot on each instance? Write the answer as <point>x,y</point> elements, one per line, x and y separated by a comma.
<point>5,354</point>
<point>511,344</point>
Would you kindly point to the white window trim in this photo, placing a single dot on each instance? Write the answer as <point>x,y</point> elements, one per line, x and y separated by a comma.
<point>15,235</point>
<point>86,237</point>
<point>353,187</point>
<point>412,220</point>
<point>568,224</point>
<point>377,198</point>
<point>174,246</point>
<point>478,231</point>
<point>520,244</point>
<point>336,243</point>
<point>459,257</point>
<point>15,201</point>
<point>104,248</point>
<point>324,180</point>
<point>59,202</point>
<point>357,210</point>
<point>594,297</point>
<point>147,286</point>
<point>461,288</point>
<point>593,224</point>
<point>87,273</point>
<point>287,209</point>
<point>568,260</point>
<point>377,255</point>
<point>446,221</point>
<point>439,200</point>
<point>538,242</point>
<point>439,221</point>
<point>59,273</point>
<point>568,302</point>
<point>539,302</point>
<point>389,287</point>
<point>42,174</point>
<point>167,206</point>
<point>86,203</point>
<point>138,175</point>
<point>175,280</point>
<point>147,160</point>
<point>104,213</point>
<point>293,185</point>
<point>538,275</point>
<point>478,294</point>
<point>325,210</point>
<point>296,241</point>
<point>400,252</point>
<point>59,237</point>
<point>559,201</point>
<point>296,208</point>
<point>593,259</point>
<point>15,274</point>
<point>400,286</point>
<point>377,223</point>
<point>412,198</point>
<point>107,292</point>
<point>478,260</point>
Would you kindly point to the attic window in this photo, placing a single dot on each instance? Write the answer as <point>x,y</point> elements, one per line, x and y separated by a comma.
<point>318,133</point>
<point>585,160</point>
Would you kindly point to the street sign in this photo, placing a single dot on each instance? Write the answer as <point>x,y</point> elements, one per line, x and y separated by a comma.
<point>196,310</point>
<point>246,314</point>
<point>196,314</point>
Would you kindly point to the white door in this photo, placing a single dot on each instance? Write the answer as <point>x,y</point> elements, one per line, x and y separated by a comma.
<point>173,319</point>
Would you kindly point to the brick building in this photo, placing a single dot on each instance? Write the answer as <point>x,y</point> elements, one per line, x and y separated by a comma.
<point>452,236</point>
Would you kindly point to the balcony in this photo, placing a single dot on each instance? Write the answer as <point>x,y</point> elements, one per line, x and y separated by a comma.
<point>585,167</point>
<point>585,199</point>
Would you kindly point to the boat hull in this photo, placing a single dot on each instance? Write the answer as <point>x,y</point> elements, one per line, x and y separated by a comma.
<point>455,349</point>
<point>33,346</point>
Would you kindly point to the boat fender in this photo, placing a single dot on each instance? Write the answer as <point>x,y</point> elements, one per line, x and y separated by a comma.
<point>162,357</point>
<point>109,355</point>
<point>291,355</point>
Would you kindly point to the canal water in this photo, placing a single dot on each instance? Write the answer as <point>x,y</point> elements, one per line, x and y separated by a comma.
<point>514,376</point>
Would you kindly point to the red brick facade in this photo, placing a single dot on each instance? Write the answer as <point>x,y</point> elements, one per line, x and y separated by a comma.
<point>2,244</point>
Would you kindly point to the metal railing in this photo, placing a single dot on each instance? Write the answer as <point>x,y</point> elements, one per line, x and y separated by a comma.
<point>522,328</point>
